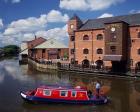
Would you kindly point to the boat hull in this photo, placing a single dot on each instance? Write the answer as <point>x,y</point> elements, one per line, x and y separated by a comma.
<point>35,99</point>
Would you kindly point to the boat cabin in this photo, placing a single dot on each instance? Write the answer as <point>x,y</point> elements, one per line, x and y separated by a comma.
<point>76,93</point>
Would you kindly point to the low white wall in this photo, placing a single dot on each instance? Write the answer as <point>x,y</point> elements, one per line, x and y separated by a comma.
<point>42,67</point>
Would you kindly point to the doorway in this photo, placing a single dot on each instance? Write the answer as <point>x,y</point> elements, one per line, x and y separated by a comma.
<point>85,63</point>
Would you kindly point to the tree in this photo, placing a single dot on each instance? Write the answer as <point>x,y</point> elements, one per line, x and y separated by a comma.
<point>11,50</point>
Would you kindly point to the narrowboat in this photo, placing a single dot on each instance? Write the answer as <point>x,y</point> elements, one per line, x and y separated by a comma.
<point>51,94</point>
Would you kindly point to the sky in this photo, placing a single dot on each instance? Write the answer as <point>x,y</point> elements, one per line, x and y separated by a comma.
<point>21,20</point>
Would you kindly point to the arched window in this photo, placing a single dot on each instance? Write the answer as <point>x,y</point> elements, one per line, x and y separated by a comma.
<point>85,37</point>
<point>99,51</point>
<point>85,51</point>
<point>138,34</point>
<point>138,51</point>
<point>99,37</point>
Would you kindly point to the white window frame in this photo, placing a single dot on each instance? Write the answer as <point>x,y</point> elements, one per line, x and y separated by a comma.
<point>75,93</point>
<point>65,94</point>
<point>45,92</point>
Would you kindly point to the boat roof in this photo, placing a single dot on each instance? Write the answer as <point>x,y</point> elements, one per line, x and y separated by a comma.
<point>77,88</point>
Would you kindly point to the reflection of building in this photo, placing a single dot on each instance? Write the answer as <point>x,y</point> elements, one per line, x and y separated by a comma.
<point>49,50</point>
<point>115,40</point>
<point>134,100</point>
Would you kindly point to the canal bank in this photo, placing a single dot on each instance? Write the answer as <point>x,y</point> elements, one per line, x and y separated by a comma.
<point>43,67</point>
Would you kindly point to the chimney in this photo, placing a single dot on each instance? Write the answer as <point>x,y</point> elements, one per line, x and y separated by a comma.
<point>35,37</point>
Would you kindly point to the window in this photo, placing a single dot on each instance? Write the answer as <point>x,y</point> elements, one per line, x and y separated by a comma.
<point>99,51</point>
<point>64,93</point>
<point>72,38</point>
<point>72,51</point>
<point>43,50</point>
<point>113,49</point>
<point>85,37</point>
<point>85,51</point>
<point>47,92</point>
<point>99,37</point>
<point>73,94</point>
<point>138,34</point>
<point>138,51</point>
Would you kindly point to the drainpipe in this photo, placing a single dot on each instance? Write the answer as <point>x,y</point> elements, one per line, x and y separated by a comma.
<point>92,48</point>
<point>74,48</point>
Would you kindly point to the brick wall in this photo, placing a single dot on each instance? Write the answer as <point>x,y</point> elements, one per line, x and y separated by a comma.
<point>134,45</point>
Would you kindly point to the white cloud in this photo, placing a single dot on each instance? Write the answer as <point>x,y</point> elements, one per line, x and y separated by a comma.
<point>26,25</point>
<point>33,24</point>
<point>73,4</point>
<point>57,33</point>
<point>106,15</point>
<point>56,16</point>
<point>12,1</point>
<point>88,4</point>
<point>1,23</point>
<point>134,11</point>
<point>16,1</point>
<point>25,29</point>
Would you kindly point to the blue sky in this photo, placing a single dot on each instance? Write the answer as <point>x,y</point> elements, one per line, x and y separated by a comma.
<point>22,19</point>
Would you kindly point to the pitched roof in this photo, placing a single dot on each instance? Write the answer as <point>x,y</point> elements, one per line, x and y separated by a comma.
<point>51,43</point>
<point>25,51</point>
<point>132,19</point>
<point>75,17</point>
<point>35,42</point>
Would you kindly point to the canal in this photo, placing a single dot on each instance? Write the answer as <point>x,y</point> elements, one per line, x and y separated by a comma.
<point>124,93</point>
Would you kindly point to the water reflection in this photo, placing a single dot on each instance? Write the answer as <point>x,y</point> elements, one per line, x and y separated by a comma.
<point>124,93</point>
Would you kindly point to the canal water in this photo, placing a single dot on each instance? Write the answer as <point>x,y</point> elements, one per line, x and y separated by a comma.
<point>124,93</point>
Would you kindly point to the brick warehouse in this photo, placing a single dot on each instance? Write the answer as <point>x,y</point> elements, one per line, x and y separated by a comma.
<point>110,42</point>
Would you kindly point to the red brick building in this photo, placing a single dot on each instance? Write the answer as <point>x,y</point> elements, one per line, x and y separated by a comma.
<point>27,46</point>
<point>50,49</point>
<point>33,43</point>
<point>110,42</point>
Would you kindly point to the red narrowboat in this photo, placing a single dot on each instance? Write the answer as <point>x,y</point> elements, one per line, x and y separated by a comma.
<point>51,94</point>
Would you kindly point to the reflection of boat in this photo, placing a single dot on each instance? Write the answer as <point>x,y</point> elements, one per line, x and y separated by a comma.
<point>51,94</point>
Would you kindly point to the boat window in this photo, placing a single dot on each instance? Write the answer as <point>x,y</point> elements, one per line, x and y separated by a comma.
<point>47,92</point>
<point>63,93</point>
<point>73,94</point>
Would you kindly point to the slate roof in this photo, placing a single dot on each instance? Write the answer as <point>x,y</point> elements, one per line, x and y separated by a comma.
<point>51,43</point>
<point>132,20</point>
